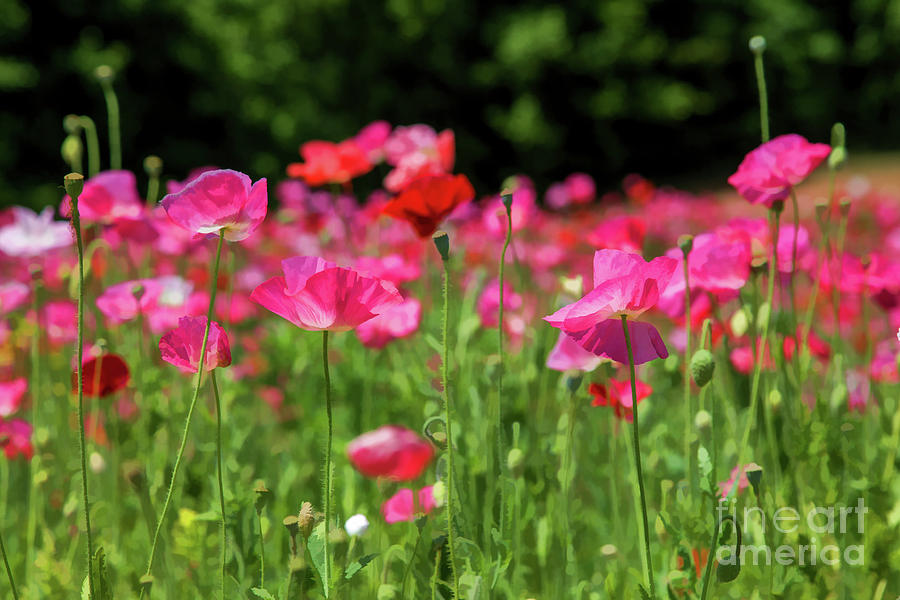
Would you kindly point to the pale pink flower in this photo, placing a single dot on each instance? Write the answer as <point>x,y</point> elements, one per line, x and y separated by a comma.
<point>33,234</point>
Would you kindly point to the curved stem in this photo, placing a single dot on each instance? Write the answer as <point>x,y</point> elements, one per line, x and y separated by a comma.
<point>190,414</point>
<point>328,467</point>
<point>12,583</point>
<point>761,350</point>
<point>79,369</point>
<point>93,144</point>
<point>763,97</point>
<point>688,401</point>
<point>445,380</point>
<point>636,442</point>
<point>115,137</point>
<point>498,425</point>
<point>215,387</point>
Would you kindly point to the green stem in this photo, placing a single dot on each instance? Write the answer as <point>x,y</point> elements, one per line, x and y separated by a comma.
<point>409,562</point>
<point>93,145</point>
<point>76,226</point>
<point>498,407</point>
<point>115,139</point>
<point>262,551</point>
<point>12,583</point>
<point>763,96</point>
<point>34,466</point>
<point>689,409</point>
<point>328,466</point>
<point>761,350</point>
<point>566,482</point>
<point>445,380</point>
<point>187,422</point>
<point>636,443</point>
<point>796,209</point>
<point>215,387</point>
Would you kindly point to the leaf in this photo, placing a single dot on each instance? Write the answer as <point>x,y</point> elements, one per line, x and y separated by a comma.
<point>102,588</point>
<point>316,546</point>
<point>644,593</point>
<point>357,565</point>
<point>262,593</point>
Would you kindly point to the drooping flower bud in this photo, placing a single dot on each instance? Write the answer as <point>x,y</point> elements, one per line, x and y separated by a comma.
<point>703,365</point>
<point>442,243</point>
<point>757,44</point>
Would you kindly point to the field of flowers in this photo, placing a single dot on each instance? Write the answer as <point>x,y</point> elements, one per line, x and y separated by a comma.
<point>226,388</point>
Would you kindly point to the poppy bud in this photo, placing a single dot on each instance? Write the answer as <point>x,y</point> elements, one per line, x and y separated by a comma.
<point>573,382</point>
<point>104,73</point>
<point>845,207</point>
<point>72,124</point>
<point>754,476</point>
<point>703,365</point>
<point>71,149</point>
<point>686,243</point>
<point>609,551</point>
<point>439,493</point>
<point>133,473</point>
<point>778,207</point>
<point>290,523</point>
<point>74,183</point>
<point>507,201</point>
<point>146,582</point>
<point>774,399</point>
<point>262,496</point>
<point>153,165</point>
<point>838,135</point>
<point>515,461</point>
<point>757,44</point>
<point>837,158</point>
<point>702,420</point>
<point>739,323</point>
<point>306,519</point>
<point>821,211</point>
<point>442,243</point>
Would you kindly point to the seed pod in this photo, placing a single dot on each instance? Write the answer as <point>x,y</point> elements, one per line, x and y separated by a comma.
<point>703,365</point>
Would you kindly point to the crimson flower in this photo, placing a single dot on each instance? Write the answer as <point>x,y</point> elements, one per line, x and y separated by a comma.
<point>390,451</point>
<point>327,162</point>
<point>618,396</point>
<point>427,201</point>
<point>102,375</point>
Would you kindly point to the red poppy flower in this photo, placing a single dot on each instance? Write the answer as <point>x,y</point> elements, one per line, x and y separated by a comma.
<point>103,375</point>
<point>428,200</point>
<point>390,451</point>
<point>327,162</point>
<point>618,396</point>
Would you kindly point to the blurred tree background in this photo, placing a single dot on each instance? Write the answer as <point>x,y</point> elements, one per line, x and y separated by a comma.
<point>606,87</point>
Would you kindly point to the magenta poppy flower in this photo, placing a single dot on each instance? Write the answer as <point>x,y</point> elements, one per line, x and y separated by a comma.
<point>13,294</point>
<point>397,322</point>
<point>127,300</point>
<point>624,284</point>
<point>371,139</point>
<point>176,186</point>
<point>60,318</point>
<point>580,188</point>
<point>317,295</point>
<point>390,451</point>
<point>181,346</point>
<point>15,438</point>
<point>417,151</point>
<point>625,232</point>
<point>11,393</point>
<point>400,506</point>
<point>768,173</point>
<point>107,197</point>
<point>488,304</point>
<point>567,355</point>
<point>217,200</point>
<point>33,234</point>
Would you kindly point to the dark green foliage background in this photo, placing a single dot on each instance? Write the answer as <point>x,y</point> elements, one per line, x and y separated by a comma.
<point>608,87</point>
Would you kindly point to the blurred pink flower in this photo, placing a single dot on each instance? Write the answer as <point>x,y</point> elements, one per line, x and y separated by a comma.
<point>417,151</point>
<point>371,140</point>
<point>568,355</point>
<point>173,187</point>
<point>127,300</point>
<point>326,162</point>
<point>13,294</point>
<point>624,284</point>
<point>59,319</point>
<point>396,322</point>
<point>625,232</point>
<point>399,507</point>
<point>107,197</point>
<point>488,303</point>
<point>743,483</point>
<point>390,451</point>
<point>768,173</point>
<point>222,199</point>
<point>11,393</point>
<point>15,438</point>
<point>317,295</point>
<point>33,234</point>
<point>181,346</point>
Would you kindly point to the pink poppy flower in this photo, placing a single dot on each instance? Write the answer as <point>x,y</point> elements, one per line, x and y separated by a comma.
<point>15,438</point>
<point>60,318</point>
<point>395,268</point>
<point>11,393</point>
<point>13,294</point>
<point>397,322</point>
<point>107,197</point>
<point>618,396</point>
<point>624,284</point>
<point>400,507</point>
<point>222,199</point>
<point>371,139</point>
<point>176,186</point>
<point>33,234</point>
<point>127,300</point>
<point>488,304</point>
<point>390,451</point>
<point>567,355</point>
<point>624,233</point>
<point>317,295</point>
<point>742,484</point>
<point>522,211</point>
<point>806,255</point>
<point>181,346</point>
<point>417,151</point>
<point>768,173</point>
